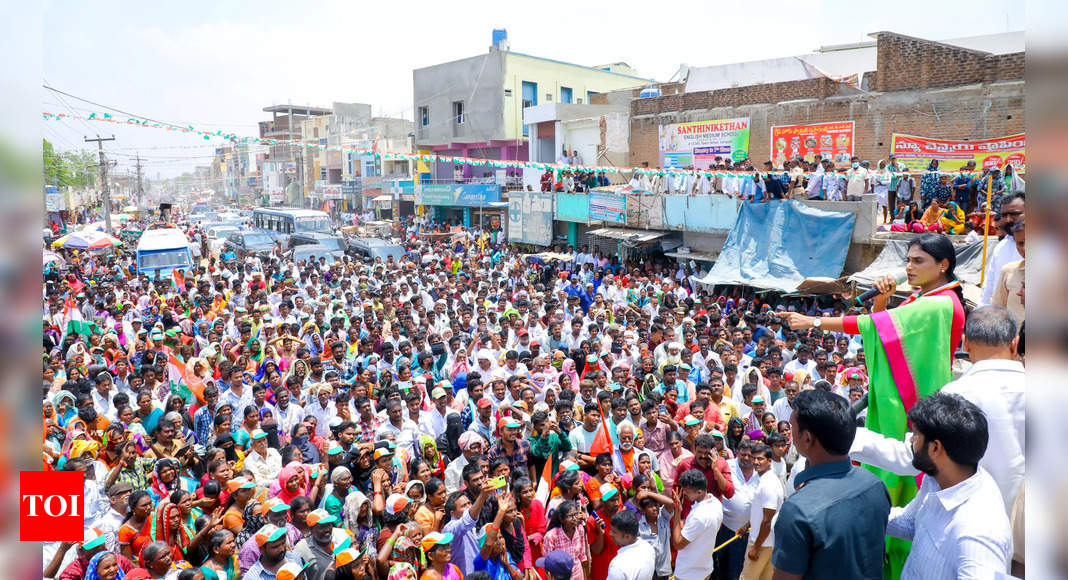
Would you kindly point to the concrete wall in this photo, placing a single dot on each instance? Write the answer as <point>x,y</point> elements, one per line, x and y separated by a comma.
<point>478,82</point>
<point>550,75</point>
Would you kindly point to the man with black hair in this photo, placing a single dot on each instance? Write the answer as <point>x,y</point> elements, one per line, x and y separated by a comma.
<point>635,558</point>
<point>767,499</point>
<point>834,524</point>
<point>995,383</point>
<point>696,538</point>
<point>803,362</point>
<point>954,532</point>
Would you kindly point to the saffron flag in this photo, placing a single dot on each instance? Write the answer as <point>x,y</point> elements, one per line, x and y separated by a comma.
<point>545,482</point>
<point>179,279</point>
<point>906,350</point>
<point>602,442</point>
<point>183,383</point>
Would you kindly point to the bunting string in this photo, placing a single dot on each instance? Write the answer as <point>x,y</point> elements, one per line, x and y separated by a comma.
<point>432,158</point>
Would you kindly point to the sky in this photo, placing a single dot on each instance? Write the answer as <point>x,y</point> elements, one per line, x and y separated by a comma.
<point>216,65</point>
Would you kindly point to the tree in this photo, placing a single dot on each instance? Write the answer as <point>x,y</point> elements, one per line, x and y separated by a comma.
<point>68,168</point>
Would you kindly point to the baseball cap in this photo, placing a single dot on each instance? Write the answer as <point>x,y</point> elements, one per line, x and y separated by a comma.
<point>569,466</point>
<point>92,538</point>
<point>269,533</point>
<point>717,433</point>
<point>240,483</point>
<point>291,570</point>
<point>435,539</point>
<point>509,423</point>
<point>396,503</point>
<point>758,399</point>
<point>437,393</point>
<point>382,452</point>
<point>346,556</point>
<point>258,434</point>
<point>273,505</point>
<point>484,402</point>
<point>556,563</point>
<point>320,516</point>
<point>608,491</point>
<point>334,449</point>
<point>690,420</point>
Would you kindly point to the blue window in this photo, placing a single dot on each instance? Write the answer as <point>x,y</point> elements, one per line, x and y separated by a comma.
<point>530,99</point>
<point>565,94</point>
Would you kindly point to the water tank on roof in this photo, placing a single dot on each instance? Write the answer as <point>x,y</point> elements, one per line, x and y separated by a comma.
<point>649,92</point>
<point>500,38</point>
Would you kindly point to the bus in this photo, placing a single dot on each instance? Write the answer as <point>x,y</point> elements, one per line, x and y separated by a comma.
<point>163,250</point>
<point>279,222</point>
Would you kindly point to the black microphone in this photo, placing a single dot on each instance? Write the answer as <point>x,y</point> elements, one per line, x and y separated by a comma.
<point>899,277</point>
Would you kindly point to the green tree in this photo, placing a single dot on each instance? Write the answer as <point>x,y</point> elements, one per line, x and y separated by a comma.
<point>68,168</point>
<point>55,167</point>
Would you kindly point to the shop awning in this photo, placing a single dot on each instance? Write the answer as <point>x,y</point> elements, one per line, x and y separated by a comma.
<point>632,236</point>
<point>383,198</point>
<point>696,256</point>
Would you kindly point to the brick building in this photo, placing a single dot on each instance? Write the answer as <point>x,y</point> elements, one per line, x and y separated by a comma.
<point>918,87</point>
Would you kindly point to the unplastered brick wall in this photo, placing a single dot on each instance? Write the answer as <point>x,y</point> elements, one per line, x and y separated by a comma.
<point>966,112</point>
<point>907,63</point>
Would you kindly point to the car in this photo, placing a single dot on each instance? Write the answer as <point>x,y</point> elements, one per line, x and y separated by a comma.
<point>245,243</point>
<point>368,249</point>
<point>336,244</point>
<point>308,252</point>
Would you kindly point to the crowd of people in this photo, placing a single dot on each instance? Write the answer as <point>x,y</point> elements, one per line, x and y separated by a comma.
<point>466,413</point>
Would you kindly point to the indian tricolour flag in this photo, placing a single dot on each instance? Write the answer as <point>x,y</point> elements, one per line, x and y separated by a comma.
<point>907,353</point>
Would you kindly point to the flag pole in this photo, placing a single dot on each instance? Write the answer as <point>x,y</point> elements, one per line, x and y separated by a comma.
<point>986,225</point>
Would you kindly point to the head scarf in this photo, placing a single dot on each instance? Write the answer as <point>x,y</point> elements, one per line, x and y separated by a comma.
<point>159,531</point>
<point>157,484</point>
<point>291,469</point>
<point>94,562</point>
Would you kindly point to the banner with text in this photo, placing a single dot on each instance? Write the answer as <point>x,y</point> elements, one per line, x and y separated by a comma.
<point>608,207</point>
<point>830,140</point>
<point>530,217</point>
<point>466,195</point>
<point>698,143</point>
<point>916,153</point>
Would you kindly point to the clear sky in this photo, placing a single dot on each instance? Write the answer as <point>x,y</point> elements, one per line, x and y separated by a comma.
<point>215,65</point>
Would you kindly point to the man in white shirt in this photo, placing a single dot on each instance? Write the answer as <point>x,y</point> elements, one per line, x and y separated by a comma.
<point>746,480</point>
<point>995,383</point>
<point>954,532</point>
<point>1012,210</point>
<point>432,422</point>
<point>636,558</point>
<point>803,362</point>
<point>696,538</point>
<point>784,407</point>
<point>767,499</point>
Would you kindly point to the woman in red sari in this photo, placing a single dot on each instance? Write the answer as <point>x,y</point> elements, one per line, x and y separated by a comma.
<point>929,265</point>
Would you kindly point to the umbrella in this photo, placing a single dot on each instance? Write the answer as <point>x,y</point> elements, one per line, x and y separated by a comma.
<point>50,256</point>
<point>87,240</point>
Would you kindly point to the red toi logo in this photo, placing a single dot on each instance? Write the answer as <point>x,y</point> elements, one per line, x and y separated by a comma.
<point>51,506</point>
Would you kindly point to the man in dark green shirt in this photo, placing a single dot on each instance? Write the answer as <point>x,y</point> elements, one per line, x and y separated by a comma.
<point>547,443</point>
<point>834,525</point>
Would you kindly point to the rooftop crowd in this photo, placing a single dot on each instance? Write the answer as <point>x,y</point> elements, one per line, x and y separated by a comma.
<point>467,413</point>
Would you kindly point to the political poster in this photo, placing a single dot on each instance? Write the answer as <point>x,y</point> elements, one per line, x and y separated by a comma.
<point>608,206</point>
<point>832,141</point>
<point>916,153</point>
<point>530,217</point>
<point>697,143</point>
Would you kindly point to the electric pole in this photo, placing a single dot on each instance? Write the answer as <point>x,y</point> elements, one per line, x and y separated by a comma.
<point>140,189</point>
<point>104,177</point>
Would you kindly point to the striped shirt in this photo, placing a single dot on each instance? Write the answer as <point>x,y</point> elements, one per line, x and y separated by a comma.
<point>954,531</point>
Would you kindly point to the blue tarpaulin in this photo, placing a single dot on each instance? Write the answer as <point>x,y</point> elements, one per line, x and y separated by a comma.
<point>778,244</point>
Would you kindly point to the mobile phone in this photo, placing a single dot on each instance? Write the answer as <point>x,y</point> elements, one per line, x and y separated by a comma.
<point>498,482</point>
<point>662,408</point>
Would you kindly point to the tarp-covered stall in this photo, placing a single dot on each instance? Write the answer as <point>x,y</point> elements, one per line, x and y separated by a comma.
<point>777,245</point>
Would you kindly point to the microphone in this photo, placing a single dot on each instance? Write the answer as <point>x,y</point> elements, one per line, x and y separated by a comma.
<point>899,277</point>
